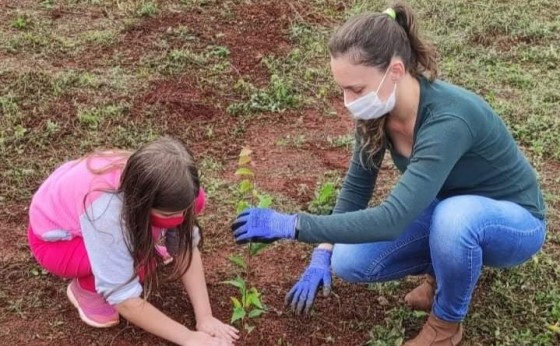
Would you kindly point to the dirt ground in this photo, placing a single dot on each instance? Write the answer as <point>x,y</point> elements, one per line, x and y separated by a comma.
<point>34,306</point>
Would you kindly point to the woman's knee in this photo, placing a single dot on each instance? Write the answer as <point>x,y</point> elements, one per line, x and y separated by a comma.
<point>347,263</point>
<point>342,263</point>
<point>363,263</point>
<point>456,222</point>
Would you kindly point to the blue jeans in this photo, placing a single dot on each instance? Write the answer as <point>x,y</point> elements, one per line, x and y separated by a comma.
<point>451,240</point>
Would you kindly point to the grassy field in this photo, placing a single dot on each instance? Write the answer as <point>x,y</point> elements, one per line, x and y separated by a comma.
<point>78,75</point>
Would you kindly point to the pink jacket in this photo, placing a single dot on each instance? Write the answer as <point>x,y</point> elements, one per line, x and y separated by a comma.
<point>63,198</point>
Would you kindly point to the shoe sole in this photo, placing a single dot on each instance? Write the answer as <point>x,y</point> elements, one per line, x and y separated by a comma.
<point>83,316</point>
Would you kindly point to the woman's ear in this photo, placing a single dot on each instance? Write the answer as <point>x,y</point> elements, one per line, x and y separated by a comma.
<point>397,70</point>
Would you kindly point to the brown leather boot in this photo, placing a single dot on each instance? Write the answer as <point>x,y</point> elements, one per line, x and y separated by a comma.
<point>438,333</point>
<point>422,297</point>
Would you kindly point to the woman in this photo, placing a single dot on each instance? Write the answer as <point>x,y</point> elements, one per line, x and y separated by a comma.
<point>467,196</point>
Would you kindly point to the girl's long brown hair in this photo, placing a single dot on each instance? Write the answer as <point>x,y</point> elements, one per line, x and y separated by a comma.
<point>373,39</point>
<point>160,175</point>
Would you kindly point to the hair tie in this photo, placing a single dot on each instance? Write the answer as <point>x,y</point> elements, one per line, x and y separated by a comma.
<point>391,13</point>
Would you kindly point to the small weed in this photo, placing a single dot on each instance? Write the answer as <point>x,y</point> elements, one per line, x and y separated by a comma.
<point>392,332</point>
<point>278,96</point>
<point>47,3</point>
<point>325,198</point>
<point>20,23</point>
<point>102,38</point>
<point>93,117</point>
<point>8,106</point>
<point>296,141</point>
<point>200,3</point>
<point>16,306</point>
<point>219,51</point>
<point>344,141</point>
<point>210,164</point>
<point>177,60</point>
<point>73,79</point>
<point>147,9</point>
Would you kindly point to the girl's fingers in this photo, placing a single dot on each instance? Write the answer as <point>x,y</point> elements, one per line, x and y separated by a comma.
<point>229,330</point>
<point>228,333</point>
<point>226,337</point>
<point>232,333</point>
<point>221,334</point>
<point>226,343</point>
<point>232,328</point>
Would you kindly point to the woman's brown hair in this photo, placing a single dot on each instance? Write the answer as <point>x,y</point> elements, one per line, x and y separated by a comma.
<point>373,39</point>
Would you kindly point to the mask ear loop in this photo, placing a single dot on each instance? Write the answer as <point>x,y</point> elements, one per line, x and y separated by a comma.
<point>200,201</point>
<point>382,80</point>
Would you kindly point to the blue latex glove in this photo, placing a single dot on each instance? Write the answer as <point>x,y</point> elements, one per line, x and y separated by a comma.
<point>263,226</point>
<point>302,295</point>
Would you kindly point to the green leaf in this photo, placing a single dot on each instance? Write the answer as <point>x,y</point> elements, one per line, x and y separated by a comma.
<point>238,314</point>
<point>237,282</point>
<point>256,313</point>
<point>253,298</point>
<point>256,248</point>
<point>236,302</point>
<point>265,201</point>
<point>245,186</point>
<point>244,171</point>
<point>247,299</point>
<point>242,205</point>
<point>238,260</point>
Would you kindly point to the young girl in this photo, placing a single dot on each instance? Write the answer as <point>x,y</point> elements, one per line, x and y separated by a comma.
<point>108,220</point>
<point>467,196</point>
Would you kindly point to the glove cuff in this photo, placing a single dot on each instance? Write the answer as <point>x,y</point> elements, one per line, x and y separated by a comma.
<point>321,258</point>
<point>285,225</point>
<point>291,221</point>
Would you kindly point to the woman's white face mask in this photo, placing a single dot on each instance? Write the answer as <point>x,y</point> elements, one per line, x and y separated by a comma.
<point>370,105</point>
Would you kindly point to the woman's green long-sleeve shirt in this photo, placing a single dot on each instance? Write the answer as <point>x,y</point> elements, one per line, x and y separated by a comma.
<point>461,147</point>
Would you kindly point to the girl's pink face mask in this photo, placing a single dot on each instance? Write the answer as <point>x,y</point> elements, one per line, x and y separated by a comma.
<point>174,221</point>
<point>166,222</point>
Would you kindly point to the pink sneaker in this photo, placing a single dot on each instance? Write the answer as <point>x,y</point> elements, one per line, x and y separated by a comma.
<point>93,308</point>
